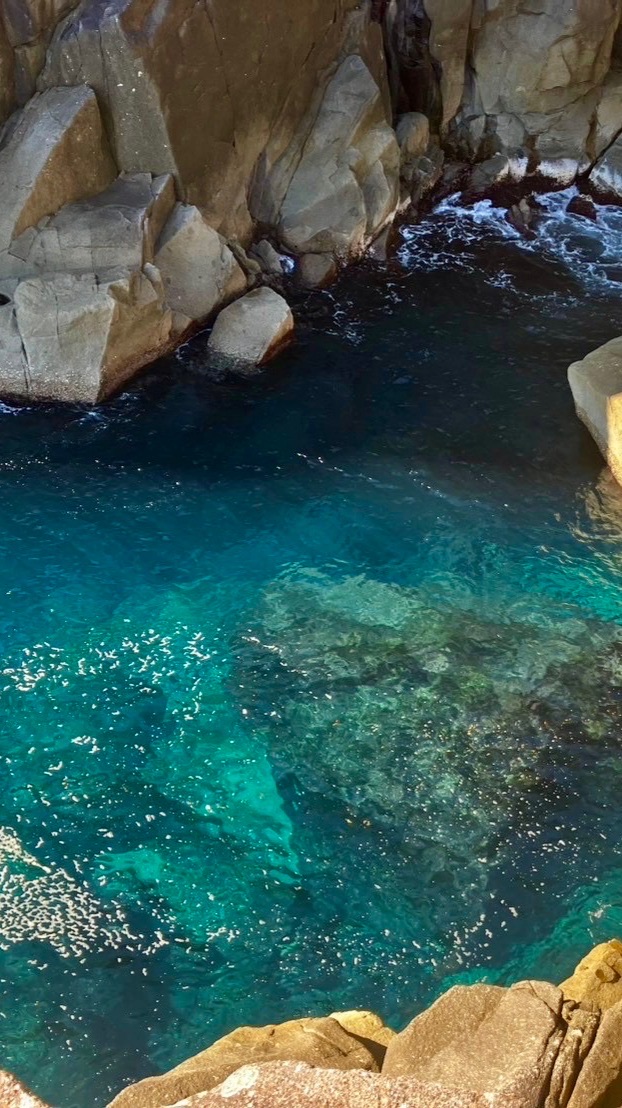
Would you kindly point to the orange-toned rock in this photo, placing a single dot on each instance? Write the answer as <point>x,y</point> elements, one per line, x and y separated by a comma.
<point>597,980</point>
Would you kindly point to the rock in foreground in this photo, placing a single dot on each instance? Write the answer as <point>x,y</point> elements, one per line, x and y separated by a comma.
<point>323,1043</point>
<point>596,384</point>
<point>253,329</point>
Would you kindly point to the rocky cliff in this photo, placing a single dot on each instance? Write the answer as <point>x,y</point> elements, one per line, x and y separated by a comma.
<point>534,1045</point>
<point>161,157</point>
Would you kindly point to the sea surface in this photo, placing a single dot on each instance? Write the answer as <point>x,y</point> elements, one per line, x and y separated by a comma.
<point>311,681</point>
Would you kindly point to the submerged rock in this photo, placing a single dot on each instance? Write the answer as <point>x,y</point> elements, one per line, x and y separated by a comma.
<point>584,206</point>
<point>254,328</point>
<point>596,384</point>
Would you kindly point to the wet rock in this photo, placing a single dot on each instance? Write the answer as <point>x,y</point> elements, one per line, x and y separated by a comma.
<point>287,1085</point>
<point>15,1095</point>
<point>597,980</point>
<point>254,328</point>
<point>599,1082</point>
<point>84,336</point>
<point>56,153</point>
<point>336,187</point>
<point>596,384</point>
<point>605,178</point>
<point>485,1040</point>
<point>325,1043</point>
<point>117,228</point>
<point>521,217</point>
<point>316,270</point>
<point>198,269</point>
<point>268,258</point>
<point>583,206</point>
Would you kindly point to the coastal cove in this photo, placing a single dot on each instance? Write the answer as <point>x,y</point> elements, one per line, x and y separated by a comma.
<point>312,679</point>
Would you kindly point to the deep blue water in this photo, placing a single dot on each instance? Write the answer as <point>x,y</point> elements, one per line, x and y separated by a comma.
<point>312,682</point>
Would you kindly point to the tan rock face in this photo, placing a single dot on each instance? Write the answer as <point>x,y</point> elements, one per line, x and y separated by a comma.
<point>486,1040</point>
<point>325,1043</point>
<point>597,980</point>
<point>596,384</point>
<point>155,74</point>
<point>287,1085</point>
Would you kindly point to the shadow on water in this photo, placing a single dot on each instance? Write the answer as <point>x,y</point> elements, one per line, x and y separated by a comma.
<point>312,680</point>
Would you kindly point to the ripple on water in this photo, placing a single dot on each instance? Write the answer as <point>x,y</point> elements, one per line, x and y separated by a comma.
<point>312,683</point>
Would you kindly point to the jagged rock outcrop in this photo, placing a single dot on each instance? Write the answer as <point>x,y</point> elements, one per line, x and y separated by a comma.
<point>336,186</point>
<point>532,81</point>
<point>15,1095</point>
<point>252,330</point>
<point>344,1041</point>
<point>597,980</point>
<point>596,384</point>
<point>159,72</point>
<point>25,30</point>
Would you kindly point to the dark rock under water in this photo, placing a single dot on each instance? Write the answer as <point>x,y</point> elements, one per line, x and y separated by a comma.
<point>312,681</point>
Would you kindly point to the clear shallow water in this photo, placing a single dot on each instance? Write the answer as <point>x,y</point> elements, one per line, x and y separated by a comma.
<point>312,683</point>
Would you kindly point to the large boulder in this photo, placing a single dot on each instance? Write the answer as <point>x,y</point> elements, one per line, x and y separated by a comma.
<point>606,175</point>
<point>597,980</point>
<point>596,384</point>
<point>198,269</point>
<point>336,186</point>
<point>486,1040</point>
<point>253,329</point>
<point>326,1043</point>
<point>84,336</point>
<point>159,72</point>
<point>118,228</point>
<point>56,153</point>
<point>290,1085</point>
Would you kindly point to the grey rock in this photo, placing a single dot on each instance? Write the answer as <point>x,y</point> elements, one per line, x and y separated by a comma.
<point>84,336</point>
<point>268,258</point>
<point>254,328</point>
<point>316,270</point>
<point>198,269</point>
<point>159,76</point>
<point>413,135</point>
<point>117,228</point>
<point>336,186</point>
<point>56,153</point>
<point>606,176</point>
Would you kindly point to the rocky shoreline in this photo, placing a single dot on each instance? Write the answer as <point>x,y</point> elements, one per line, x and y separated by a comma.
<point>533,1045</point>
<point>160,162</point>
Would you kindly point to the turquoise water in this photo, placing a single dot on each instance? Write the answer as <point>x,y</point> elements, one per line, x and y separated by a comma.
<point>312,682</point>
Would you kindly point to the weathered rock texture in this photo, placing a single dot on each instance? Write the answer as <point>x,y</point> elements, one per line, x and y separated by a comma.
<point>596,384</point>
<point>357,1043</point>
<point>14,1095</point>
<point>530,1046</point>
<point>536,81</point>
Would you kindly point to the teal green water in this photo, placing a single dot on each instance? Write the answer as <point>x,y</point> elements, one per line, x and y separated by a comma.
<point>311,686</point>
